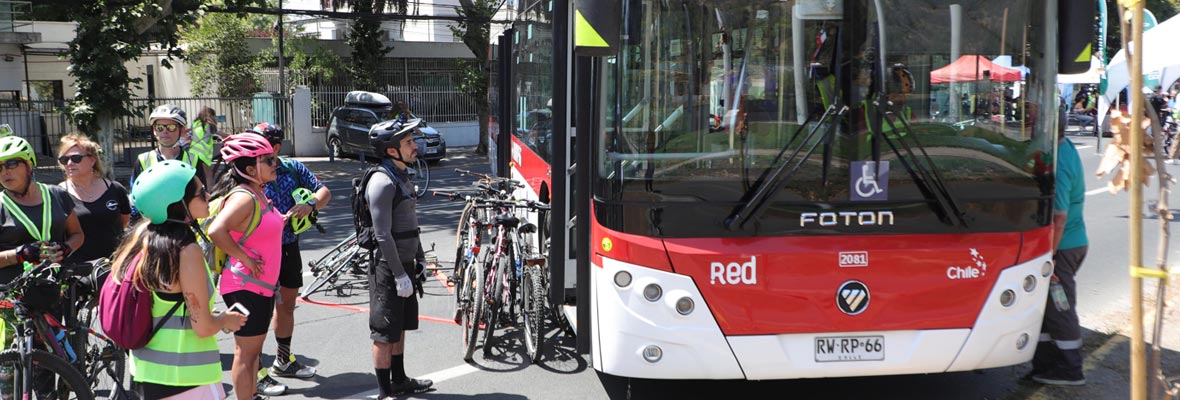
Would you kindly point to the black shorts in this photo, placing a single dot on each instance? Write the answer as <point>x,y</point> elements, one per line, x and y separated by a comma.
<point>291,270</point>
<point>389,314</point>
<point>261,309</point>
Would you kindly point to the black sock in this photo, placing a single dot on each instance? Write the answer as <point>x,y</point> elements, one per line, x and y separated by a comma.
<point>284,353</point>
<point>383,382</point>
<point>398,368</point>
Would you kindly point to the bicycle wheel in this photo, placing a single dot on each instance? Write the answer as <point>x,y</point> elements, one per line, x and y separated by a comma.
<point>331,272</point>
<point>463,243</point>
<point>472,307</point>
<point>51,378</point>
<point>421,178</point>
<point>102,363</point>
<point>495,301</point>
<point>533,310</point>
<point>329,257</point>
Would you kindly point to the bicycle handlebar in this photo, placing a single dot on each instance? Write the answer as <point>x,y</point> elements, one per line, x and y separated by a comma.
<point>511,183</point>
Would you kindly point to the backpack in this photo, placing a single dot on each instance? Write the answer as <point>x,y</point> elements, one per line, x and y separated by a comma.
<point>125,309</point>
<point>362,219</point>
<point>214,256</point>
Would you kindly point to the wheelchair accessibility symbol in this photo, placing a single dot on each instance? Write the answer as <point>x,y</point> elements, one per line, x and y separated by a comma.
<point>870,180</point>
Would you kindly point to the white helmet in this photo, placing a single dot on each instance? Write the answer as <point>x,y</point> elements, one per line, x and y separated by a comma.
<point>169,111</point>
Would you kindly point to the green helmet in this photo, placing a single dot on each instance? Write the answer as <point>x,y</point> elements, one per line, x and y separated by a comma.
<point>159,186</point>
<point>302,196</point>
<point>16,147</point>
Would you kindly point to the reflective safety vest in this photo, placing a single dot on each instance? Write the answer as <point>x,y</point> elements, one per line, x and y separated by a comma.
<point>176,356</point>
<point>148,159</point>
<point>202,145</point>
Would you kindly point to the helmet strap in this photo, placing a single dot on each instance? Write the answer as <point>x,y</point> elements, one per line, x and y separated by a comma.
<point>245,176</point>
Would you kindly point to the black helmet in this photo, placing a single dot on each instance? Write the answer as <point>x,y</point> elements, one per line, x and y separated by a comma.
<point>389,133</point>
<point>273,133</point>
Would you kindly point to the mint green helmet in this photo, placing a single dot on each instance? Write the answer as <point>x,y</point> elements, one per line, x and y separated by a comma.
<point>159,187</point>
<point>16,147</point>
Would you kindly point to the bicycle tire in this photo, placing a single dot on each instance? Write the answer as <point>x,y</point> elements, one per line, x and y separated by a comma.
<point>330,273</point>
<point>462,245</point>
<point>102,363</point>
<point>421,179</point>
<point>318,265</point>
<point>496,297</point>
<point>68,378</point>
<point>472,311</point>
<point>533,311</point>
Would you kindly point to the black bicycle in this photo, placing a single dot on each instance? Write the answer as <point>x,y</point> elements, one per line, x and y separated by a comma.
<point>26,371</point>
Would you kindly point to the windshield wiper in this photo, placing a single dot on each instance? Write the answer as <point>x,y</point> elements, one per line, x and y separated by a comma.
<point>754,202</point>
<point>922,169</point>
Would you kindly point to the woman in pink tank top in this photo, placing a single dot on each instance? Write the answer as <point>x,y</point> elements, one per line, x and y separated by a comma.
<point>249,277</point>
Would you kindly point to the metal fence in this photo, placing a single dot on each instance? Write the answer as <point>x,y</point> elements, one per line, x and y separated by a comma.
<point>43,123</point>
<point>429,86</point>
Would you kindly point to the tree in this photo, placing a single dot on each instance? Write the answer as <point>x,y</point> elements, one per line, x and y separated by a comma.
<point>475,29</point>
<point>305,59</point>
<point>1162,9</point>
<point>110,33</point>
<point>221,63</point>
<point>367,39</point>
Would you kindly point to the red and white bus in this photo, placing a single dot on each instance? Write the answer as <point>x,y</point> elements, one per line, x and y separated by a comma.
<point>767,189</point>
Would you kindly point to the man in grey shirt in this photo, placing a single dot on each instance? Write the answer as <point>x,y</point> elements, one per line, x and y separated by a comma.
<point>398,259</point>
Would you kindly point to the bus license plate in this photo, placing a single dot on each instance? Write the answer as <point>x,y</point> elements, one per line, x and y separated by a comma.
<point>849,348</point>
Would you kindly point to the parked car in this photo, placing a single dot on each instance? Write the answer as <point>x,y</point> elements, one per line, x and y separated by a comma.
<point>348,128</point>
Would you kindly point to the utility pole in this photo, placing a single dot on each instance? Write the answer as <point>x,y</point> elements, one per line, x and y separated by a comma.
<point>282,73</point>
<point>1138,347</point>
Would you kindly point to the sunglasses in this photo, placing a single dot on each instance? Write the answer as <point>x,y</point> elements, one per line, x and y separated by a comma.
<point>166,127</point>
<point>203,193</point>
<point>11,164</point>
<point>271,161</point>
<point>75,158</point>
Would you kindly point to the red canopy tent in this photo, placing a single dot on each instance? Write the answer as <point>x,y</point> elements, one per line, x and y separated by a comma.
<point>971,68</point>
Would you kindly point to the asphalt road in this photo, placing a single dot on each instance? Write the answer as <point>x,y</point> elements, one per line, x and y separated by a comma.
<point>332,333</point>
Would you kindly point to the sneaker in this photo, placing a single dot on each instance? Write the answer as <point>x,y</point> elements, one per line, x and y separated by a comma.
<point>291,369</point>
<point>1061,379</point>
<point>270,387</point>
<point>411,385</point>
<point>260,397</point>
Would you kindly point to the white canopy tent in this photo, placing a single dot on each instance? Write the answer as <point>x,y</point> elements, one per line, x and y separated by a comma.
<point>1159,54</point>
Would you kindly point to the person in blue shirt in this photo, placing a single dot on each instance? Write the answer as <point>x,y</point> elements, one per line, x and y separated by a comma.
<point>291,174</point>
<point>1058,359</point>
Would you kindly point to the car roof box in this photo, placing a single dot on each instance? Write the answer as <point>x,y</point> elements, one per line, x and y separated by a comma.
<point>363,98</point>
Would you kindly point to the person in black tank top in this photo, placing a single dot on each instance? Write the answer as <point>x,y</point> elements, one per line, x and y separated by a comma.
<point>101,204</point>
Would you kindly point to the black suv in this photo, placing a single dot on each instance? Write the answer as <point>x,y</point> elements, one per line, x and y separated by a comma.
<point>348,128</point>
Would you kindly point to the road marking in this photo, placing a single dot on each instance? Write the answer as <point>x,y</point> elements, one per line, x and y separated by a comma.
<point>437,377</point>
<point>1097,191</point>
<point>438,274</point>
<point>1084,147</point>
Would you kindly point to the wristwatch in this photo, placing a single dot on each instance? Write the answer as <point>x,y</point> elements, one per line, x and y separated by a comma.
<point>312,204</point>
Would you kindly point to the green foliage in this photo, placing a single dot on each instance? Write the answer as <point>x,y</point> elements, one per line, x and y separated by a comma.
<point>368,44</point>
<point>305,59</point>
<point>220,59</point>
<point>1163,9</point>
<point>474,29</point>
<point>112,32</point>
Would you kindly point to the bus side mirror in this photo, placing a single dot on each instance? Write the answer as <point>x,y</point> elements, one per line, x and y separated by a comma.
<point>597,27</point>
<point>1075,28</point>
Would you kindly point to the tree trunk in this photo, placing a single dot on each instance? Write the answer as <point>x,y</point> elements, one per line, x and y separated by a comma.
<point>106,136</point>
<point>482,114</point>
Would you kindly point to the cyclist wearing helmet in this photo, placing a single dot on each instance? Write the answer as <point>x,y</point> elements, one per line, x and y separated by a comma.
<point>37,221</point>
<point>291,175</point>
<point>181,360</point>
<point>399,257</point>
<point>169,125</point>
<point>252,271</point>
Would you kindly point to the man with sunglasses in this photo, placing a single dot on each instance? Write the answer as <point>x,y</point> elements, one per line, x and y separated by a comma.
<point>169,124</point>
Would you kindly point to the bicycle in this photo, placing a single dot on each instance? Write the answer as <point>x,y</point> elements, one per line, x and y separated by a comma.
<point>419,177</point>
<point>100,360</point>
<point>346,255</point>
<point>31,372</point>
<point>534,282</point>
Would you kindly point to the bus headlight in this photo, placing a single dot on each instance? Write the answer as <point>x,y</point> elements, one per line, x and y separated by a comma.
<point>1030,283</point>
<point>1047,269</point>
<point>1007,297</point>
<point>1022,341</point>
<point>684,306</point>
<point>653,292</point>
<point>653,354</point>
<point>622,279</point>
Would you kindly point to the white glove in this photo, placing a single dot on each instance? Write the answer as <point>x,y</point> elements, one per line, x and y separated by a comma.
<point>405,287</point>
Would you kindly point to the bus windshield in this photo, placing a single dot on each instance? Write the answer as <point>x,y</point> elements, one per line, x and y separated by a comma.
<point>828,106</point>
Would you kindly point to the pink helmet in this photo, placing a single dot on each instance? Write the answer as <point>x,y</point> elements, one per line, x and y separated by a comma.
<point>245,144</point>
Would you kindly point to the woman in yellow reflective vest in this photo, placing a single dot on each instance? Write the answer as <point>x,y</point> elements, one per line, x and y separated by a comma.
<point>181,361</point>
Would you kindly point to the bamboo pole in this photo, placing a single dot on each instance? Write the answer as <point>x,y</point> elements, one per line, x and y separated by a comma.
<point>1138,349</point>
<point>1003,101</point>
